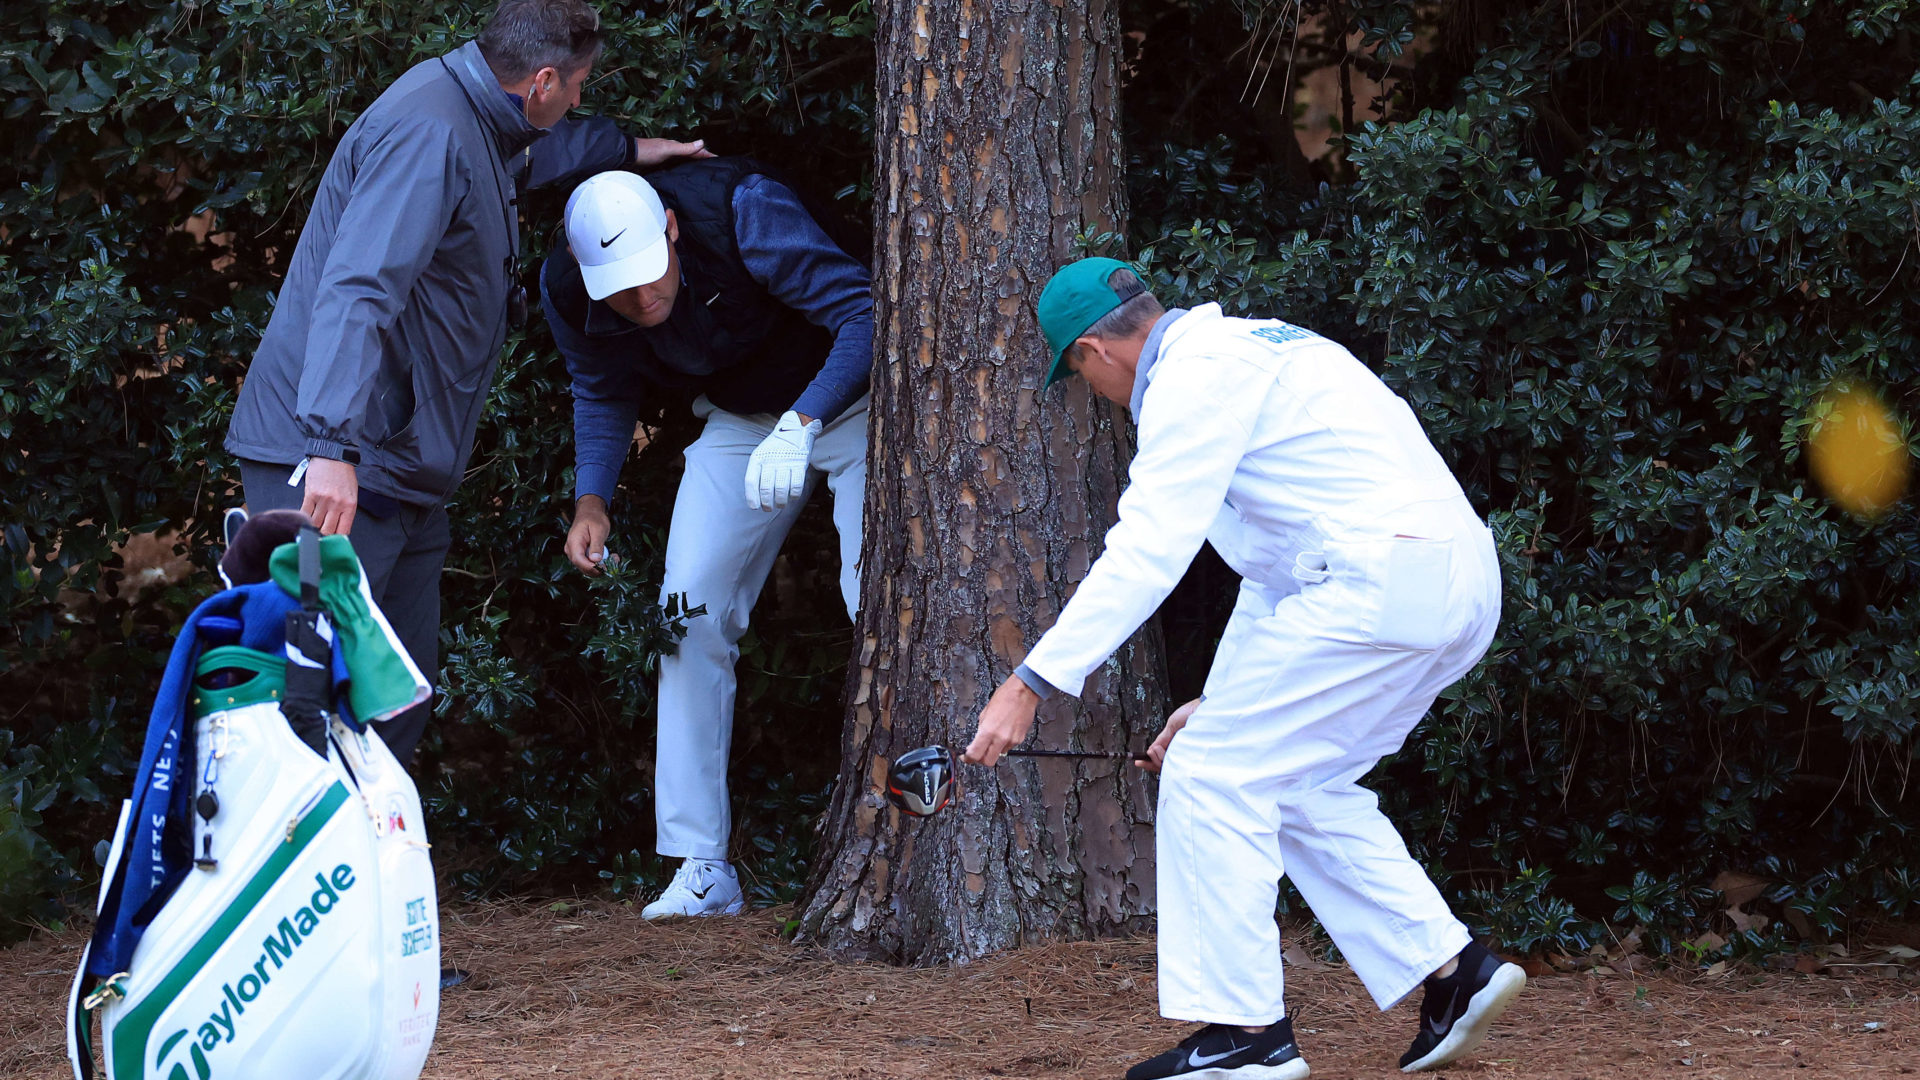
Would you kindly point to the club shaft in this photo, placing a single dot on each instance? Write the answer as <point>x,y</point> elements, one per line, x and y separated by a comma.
<point>1108,755</point>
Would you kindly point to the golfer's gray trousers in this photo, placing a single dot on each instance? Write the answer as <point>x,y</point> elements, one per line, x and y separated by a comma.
<point>402,553</point>
<point>719,552</point>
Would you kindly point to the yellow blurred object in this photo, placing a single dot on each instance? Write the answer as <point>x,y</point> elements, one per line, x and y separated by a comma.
<point>1856,450</point>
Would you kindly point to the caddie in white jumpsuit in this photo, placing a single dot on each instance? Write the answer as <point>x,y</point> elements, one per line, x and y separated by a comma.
<point>711,279</point>
<point>1369,585</point>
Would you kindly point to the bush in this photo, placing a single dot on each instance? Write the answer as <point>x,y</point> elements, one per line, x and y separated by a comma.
<point>1611,307</point>
<point>1613,310</point>
<point>165,155</point>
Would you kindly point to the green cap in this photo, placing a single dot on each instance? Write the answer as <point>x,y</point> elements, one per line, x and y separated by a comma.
<point>1074,299</point>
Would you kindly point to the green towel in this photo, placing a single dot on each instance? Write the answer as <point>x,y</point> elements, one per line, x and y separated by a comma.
<point>383,679</point>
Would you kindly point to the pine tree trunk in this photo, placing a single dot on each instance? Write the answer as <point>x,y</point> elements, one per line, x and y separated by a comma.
<point>997,144</point>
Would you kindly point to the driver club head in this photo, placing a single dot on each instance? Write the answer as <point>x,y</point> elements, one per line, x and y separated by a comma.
<point>921,781</point>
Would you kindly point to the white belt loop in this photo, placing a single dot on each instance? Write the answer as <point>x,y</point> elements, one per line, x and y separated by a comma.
<point>1310,568</point>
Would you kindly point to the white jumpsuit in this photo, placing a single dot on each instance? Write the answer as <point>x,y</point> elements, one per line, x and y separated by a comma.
<point>1369,585</point>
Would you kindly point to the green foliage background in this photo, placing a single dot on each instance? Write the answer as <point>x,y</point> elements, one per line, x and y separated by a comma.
<point>1610,263</point>
<point>1609,251</point>
<point>125,338</point>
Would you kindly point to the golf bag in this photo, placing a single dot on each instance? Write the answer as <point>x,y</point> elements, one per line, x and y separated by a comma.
<point>268,909</point>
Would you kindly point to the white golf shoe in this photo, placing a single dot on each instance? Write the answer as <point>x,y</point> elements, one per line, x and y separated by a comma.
<point>699,887</point>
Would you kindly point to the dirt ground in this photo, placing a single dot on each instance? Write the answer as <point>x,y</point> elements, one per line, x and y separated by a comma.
<point>593,991</point>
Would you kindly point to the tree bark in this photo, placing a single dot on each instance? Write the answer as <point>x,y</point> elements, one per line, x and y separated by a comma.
<point>997,144</point>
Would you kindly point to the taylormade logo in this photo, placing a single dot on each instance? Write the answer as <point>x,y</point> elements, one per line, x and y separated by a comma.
<point>236,994</point>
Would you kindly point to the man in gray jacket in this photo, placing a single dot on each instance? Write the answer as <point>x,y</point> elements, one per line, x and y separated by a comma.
<point>361,404</point>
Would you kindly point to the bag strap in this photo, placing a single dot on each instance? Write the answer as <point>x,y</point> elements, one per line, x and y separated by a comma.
<point>309,544</point>
<point>309,653</point>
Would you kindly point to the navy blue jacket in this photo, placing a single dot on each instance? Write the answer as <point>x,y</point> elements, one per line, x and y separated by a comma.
<point>812,352</point>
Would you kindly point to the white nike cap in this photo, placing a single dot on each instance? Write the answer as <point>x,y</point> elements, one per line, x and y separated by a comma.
<point>618,232</point>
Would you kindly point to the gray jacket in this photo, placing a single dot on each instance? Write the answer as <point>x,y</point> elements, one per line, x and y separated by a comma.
<point>388,326</point>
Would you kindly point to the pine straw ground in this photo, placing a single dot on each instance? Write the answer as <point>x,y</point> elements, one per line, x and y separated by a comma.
<point>592,991</point>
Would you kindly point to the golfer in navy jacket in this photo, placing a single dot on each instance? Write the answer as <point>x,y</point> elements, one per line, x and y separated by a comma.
<point>711,279</point>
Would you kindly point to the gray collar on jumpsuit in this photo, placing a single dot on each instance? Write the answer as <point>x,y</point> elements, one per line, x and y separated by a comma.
<point>1149,356</point>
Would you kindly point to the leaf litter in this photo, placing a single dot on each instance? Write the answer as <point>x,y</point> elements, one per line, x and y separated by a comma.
<point>619,997</point>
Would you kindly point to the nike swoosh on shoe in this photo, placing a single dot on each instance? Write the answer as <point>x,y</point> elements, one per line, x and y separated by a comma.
<point>1196,1061</point>
<point>1433,1028</point>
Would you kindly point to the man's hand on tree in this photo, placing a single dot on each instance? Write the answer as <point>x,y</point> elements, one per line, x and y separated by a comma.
<point>1004,723</point>
<point>1157,753</point>
<point>587,538</point>
<point>333,494</point>
<point>653,153</point>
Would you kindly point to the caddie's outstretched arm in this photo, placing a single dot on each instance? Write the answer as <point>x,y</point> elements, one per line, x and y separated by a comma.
<point>1177,484</point>
<point>1192,439</point>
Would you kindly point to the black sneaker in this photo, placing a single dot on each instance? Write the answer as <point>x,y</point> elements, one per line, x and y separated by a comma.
<point>1460,1008</point>
<point>1225,1052</point>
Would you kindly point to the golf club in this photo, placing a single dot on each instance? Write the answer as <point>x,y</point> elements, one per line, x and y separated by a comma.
<point>1109,755</point>
<point>921,782</point>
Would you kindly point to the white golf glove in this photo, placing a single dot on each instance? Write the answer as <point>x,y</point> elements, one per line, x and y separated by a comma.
<point>777,471</point>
